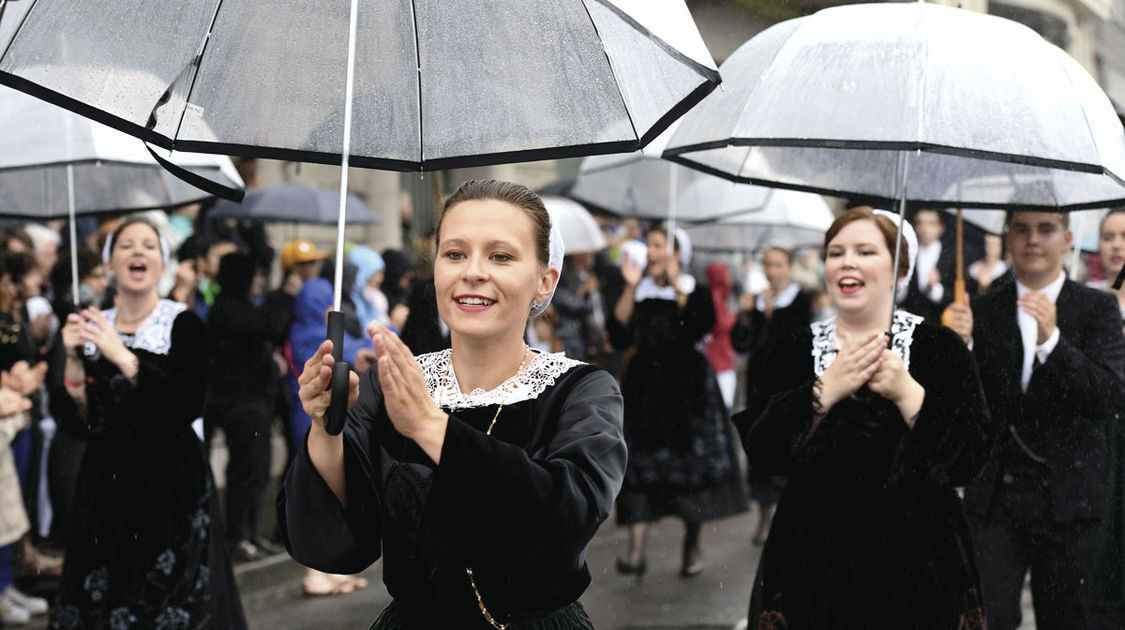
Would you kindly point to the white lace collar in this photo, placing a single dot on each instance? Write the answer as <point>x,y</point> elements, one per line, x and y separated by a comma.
<point>155,332</point>
<point>782,300</point>
<point>539,374</point>
<point>648,288</point>
<point>824,344</point>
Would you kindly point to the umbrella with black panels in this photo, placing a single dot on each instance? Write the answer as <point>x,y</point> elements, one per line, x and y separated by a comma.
<point>56,164</point>
<point>966,110</point>
<point>431,84</point>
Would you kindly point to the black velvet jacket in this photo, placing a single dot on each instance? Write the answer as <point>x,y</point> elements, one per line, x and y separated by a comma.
<point>869,532</point>
<point>519,506</point>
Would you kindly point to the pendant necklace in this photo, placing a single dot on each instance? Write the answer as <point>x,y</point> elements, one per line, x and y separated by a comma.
<point>508,392</point>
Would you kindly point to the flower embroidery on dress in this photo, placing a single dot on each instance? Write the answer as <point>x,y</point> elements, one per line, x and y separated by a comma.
<point>172,618</point>
<point>96,583</point>
<point>65,616</point>
<point>166,562</point>
<point>121,619</point>
<point>539,374</point>
<point>153,335</point>
<point>825,346</point>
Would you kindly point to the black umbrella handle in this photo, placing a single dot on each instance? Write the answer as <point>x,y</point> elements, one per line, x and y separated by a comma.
<point>341,374</point>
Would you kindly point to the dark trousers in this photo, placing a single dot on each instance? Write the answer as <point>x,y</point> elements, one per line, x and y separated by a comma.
<point>246,420</point>
<point>1021,535</point>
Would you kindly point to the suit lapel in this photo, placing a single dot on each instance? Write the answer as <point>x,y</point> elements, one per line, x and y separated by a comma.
<point>1009,334</point>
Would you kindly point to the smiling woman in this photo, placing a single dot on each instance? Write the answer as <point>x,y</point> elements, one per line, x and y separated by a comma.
<point>873,430</point>
<point>479,473</point>
<point>145,550</point>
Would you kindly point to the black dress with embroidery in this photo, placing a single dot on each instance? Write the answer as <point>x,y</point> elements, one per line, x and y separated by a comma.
<point>683,458</point>
<point>869,532</point>
<point>518,506</point>
<point>145,549</point>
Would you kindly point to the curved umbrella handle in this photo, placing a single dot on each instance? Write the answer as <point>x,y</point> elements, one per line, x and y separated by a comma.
<point>338,408</point>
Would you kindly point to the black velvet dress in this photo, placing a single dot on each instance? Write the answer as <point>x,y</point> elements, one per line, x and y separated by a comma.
<point>146,549</point>
<point>518,506</point>
<point>682,449</point>
<point>869,532</point>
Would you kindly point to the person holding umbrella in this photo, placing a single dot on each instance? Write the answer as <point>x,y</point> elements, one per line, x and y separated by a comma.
<point>480,473</point>
<point>146,548</point>
<point>874,434</point>
<point>1051,356</point>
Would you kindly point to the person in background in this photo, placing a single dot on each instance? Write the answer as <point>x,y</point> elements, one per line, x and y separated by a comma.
<point>367,296</point>
<point>577,305</point>
<point>197,284</point>
<point>1108,605</point>
<point>146,548</point>
<point>932,288</point>
<point>240,400</point>
<point>992,267</point>
<point>46,250</point>
<point>682,458</point>
<point>719,349</point>
<point>1052,359</point>
<point>17,381</point>
<point>778,309</point>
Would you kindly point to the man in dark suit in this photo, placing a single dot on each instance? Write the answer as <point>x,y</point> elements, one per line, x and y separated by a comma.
<point>931,289</point>
<point>1051,358</point>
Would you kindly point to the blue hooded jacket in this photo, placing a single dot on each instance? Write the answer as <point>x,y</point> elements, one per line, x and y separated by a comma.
<point>306,334</point>
<point>368,262</point>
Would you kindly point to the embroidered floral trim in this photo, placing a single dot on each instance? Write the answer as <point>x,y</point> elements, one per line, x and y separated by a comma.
<point>824,344</point>
<point>153,335</point>
<point>539,374</point>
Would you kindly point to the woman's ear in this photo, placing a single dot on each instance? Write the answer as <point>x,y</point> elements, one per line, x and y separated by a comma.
<point>547,282</point>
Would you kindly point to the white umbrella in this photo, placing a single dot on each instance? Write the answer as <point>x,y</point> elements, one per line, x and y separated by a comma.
<point>54,163</point>
<point>788,219</point>
<point>580,232</point>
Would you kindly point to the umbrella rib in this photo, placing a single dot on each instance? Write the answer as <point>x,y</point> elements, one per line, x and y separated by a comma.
<point>16,32</point>
<point>198,62</point>
<point>418,67</point>
<point>1085,119</point>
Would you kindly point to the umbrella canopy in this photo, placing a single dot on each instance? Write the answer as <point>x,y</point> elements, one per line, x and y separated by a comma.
<point>580,232</point>
<point>294,203</point>
<point>942,106</point>
<point>438,83</point>
<point>110,171</point>
<point>634,184</point>
<point>788,219</point>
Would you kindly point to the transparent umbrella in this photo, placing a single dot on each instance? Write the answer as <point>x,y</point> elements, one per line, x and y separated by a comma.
<point>910,102</point>
<point>788,219</point>
<point>54,163</point>
<point>958,108</point>
<point>431,84</point>
<point>580,232</point>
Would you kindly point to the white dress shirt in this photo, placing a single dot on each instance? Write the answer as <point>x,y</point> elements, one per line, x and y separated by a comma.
<point>927,261</point>
<point>1029,329</point>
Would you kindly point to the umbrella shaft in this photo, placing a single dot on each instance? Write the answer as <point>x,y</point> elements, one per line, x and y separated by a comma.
<point>345,154</point>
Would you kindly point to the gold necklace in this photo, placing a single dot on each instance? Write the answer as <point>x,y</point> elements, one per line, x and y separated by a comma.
<point>503,401</point>
<point>441,394</point>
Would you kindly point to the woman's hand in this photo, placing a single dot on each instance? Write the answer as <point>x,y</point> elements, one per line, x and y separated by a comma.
<point>857,361</point>
<point>631,272</point>
<point>314,381</point>
<point>22,378</point>
<point>11,403</point>
<point>99,331</point>
<point>72,335</point>
<point>405,395</point>
<point>893,381</point>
